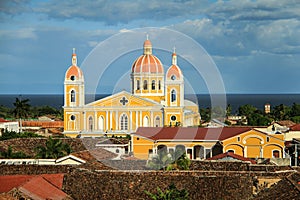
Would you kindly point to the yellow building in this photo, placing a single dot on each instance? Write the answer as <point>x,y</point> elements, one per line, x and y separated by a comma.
<point>156,100</point>
<point>202,143</point>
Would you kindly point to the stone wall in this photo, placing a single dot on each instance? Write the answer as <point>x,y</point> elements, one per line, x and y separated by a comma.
<point>33,169</point>
<point>132,184</point>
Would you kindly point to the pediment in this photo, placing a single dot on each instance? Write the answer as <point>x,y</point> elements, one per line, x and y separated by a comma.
<point>123,99</point>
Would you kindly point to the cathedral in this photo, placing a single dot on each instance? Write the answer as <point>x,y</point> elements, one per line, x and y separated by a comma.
<point>156,100</point>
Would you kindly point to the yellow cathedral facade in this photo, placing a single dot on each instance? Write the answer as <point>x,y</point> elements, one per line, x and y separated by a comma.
<point>156,100</point>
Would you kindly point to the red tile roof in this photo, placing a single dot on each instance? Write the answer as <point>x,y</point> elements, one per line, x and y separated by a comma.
<point>12,182</point>
<point>39,188</point>
<point>295,127</point>
<point>186,133</point>
<point>3,120</point>
<point>45,186</point>
<point>232,155</point>
<point>44,124</point>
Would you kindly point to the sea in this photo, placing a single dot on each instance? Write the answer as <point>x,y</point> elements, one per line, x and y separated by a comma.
<point>204,100</point>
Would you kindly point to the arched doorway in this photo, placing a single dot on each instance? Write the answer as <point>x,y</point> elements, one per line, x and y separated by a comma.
<point>198,152</point>
<point>101,123</point>
<point>91,124</point>
<point>179,151</point>
<point>146,121</point>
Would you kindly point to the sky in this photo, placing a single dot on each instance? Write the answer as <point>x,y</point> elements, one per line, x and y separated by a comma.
<point>255,45</point>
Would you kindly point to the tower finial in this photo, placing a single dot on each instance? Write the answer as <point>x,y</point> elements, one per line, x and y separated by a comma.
<point>174,49</point>
<point>147,36</point>
<point>74,58</point>
<point>174,57</point>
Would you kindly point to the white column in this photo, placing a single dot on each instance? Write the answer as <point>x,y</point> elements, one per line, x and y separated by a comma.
<point>136,119</point>
<point>141,119</point>
<point>117,120</point>
<point>96,121</point>
<point>130,123</point>
<point>151,119</point>
<point>84,121</point>
<point>110,118</point>
<point>106,120</point>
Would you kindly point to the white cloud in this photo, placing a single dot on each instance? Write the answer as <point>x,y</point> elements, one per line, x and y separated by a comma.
<point>24,33</point>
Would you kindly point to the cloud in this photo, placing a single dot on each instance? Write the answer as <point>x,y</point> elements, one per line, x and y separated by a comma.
<point>249,10</point>
<point>24,33</point>
<point>114,12</point>
<point>14,7</point>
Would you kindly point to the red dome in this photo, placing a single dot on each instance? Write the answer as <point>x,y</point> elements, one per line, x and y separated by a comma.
<point>174,71</point>
<point>74,71</point>
<point>147,64</point>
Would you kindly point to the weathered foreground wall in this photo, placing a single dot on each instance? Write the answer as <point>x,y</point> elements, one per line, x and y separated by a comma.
<point>84,184</point>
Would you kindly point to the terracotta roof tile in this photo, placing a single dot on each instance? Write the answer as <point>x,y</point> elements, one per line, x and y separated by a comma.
<point>185,133</point>
<point>13,181</point>
<point>232,155</point>
<point>45,186</point>
<point>295,127</point>
<point>40,188</point>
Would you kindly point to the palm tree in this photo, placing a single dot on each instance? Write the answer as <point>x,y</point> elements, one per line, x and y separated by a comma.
<point>21,110</point>
<point>54,148</point>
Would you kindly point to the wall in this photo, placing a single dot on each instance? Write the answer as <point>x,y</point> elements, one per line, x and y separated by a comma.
<point>132,184</point>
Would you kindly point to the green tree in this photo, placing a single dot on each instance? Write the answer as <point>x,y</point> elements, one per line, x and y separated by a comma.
<point>21,110</point>
<point>54,148</point>
<point>160,161</point>
<point>246,110</point>
<point>171,193</point>
<point>10,154</point>
<point>228,110</point>
<point>281,112</point>
<point>205,114</point>
<point>295,110</point>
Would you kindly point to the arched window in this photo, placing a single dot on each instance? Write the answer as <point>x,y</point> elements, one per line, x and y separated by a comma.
<point>124,122</point>
<point>145,85</point>
<point>153,85</point>
<point>137,84</point>
<point>91,127</point>
<point>276,154</point>
<point>157,121</point>
<point>73,95</point>
<point>159,85</point>
<point>146,121</point>
<point>101,123</point>
<point>173,96</point>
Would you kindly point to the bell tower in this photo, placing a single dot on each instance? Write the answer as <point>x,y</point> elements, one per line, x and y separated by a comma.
<point>74,85</point>
<point>174,95</point>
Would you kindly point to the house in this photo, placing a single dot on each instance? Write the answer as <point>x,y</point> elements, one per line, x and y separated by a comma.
<point>278,127</point>
<point>8,125</point>
<point>44,186</point>
<point>229,156</point>
<point>66,160</point>
<point>119,147</point>
<point>203,143</point>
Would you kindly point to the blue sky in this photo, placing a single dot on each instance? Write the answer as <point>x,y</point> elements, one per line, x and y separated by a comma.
<point>254,44</point>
